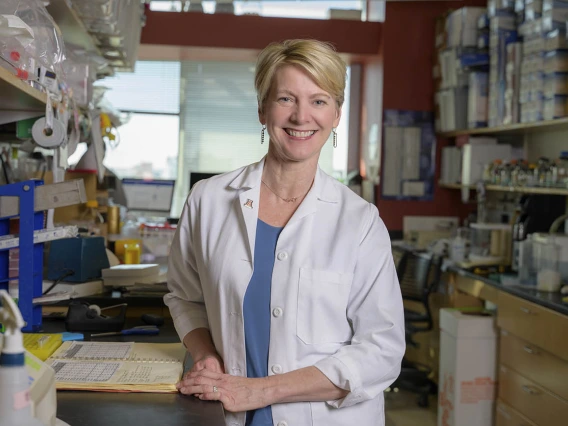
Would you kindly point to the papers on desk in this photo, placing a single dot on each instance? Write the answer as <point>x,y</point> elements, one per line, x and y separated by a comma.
<point>118,366</point>
<point>130,275</point>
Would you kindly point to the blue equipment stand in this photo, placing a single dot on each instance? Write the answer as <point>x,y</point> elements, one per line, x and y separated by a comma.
<point>30,275</point>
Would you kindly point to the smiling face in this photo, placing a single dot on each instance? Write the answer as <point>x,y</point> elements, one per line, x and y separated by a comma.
<point>298,115</point>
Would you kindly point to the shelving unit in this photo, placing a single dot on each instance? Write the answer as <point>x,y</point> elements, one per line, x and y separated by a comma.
<point>512,129</point>
<point>28,200</point>
<point>516,189</point>
<point>19,100</point>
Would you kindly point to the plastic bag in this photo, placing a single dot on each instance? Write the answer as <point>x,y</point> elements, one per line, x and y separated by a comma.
<point>47,47</point>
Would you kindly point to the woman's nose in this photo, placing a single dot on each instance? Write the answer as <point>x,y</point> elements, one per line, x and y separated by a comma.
<point>301,114</point>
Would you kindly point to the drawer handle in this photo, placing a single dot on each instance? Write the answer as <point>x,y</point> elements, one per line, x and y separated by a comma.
<point>530,350</point>
<point>526,310</point>
<point>530,390</point>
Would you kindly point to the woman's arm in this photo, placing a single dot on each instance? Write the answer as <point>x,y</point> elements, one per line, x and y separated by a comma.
<point>305,384</point>
<point>243,394</point>
<point>202,350</point>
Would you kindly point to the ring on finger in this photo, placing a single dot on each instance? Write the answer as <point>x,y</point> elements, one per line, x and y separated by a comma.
<point>215,389</point>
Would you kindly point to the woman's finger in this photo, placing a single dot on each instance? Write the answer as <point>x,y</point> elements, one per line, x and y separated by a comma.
<point>213,393</point>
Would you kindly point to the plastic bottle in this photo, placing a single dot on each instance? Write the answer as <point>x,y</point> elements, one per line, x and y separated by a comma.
<point>562,170</point>
<point>15,403</point>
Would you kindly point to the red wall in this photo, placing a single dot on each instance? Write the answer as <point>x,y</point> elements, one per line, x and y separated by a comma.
<point>256,32</point>
<point>408,49</point>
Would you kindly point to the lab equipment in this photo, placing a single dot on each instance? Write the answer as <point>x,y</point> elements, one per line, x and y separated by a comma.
<point>134,331</point>
<point>149,195</point>
<point>152,319</point>
<point>84,317</point>
<point>15,403</point>
<point>86,257</point>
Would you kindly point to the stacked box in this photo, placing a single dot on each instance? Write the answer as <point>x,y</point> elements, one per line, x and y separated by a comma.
<point>455,60</point>
<point>512,83</point>
<point>477,114</point>
<point>461,26</point>
<point>533,10</point>
<point>503,31</point>
<point>555,62</point>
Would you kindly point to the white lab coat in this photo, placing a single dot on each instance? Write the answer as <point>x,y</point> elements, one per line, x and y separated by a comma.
<point>335,300</point>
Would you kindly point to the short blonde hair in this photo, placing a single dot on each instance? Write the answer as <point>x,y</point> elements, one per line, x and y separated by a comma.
<point>318,59</point>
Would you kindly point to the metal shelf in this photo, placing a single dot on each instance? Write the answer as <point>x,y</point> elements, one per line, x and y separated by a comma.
<point>517,189</point>
<point>512,129</point>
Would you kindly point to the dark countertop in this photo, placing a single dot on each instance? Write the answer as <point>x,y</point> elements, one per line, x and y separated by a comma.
<point>81,408</point>
<point>548,300</point>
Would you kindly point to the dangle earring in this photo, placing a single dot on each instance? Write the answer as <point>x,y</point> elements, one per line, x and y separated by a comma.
<point>334,130</point>
<point>262,134</point>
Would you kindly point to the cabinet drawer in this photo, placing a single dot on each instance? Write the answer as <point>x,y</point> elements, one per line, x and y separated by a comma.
<point>535,324</point>
<point>505,415</point>
<point>531,400</point>
<point>535,364</point>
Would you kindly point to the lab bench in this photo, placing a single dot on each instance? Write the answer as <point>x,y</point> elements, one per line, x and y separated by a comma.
<point>83,408</point>
<point>533,349</point>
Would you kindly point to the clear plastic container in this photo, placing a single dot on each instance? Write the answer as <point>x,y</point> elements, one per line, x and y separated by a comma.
<point>562,170</point>
<point>548,275</point>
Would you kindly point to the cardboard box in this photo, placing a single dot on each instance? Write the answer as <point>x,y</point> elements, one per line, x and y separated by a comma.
<point>467,371</point>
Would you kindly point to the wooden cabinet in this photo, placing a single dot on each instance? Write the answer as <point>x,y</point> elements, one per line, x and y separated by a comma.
<point>535,364</point>
<point>507,416</point>
<point>533,356</point>
<point>530,399</point>
<point>540,326</point>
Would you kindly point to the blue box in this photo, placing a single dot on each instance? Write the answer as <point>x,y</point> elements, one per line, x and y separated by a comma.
<point>85,257</point>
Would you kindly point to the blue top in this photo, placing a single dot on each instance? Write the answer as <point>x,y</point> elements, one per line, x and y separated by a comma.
<point>256,314</point>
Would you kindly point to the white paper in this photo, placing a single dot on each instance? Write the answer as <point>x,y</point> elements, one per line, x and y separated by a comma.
<point>392,167</point>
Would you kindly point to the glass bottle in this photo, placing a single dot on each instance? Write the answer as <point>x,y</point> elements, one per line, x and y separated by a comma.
<point>531,177</point>
<point>488,172</point>
<point>562,170</point>
<point>496,180</point>
<point>505,175</point>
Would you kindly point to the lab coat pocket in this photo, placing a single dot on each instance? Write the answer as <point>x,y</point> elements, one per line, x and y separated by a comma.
<point>322,306</point>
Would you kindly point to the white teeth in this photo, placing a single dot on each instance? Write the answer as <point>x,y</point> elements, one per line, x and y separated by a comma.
<point>300,134</point>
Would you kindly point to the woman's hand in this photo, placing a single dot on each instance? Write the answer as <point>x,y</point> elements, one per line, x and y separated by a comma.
<point>235,393</point>
<point>212,362</point>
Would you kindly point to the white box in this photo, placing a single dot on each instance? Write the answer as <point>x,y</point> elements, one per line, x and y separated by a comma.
<point>475,157</point>
<point>461,26</point>
<point>468,362</point>
<point>477,100</point>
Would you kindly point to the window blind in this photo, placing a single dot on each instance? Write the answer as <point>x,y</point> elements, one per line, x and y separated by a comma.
<point>153,87</point>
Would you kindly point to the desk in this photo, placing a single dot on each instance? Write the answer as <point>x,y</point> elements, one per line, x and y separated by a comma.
<point>137,409</point>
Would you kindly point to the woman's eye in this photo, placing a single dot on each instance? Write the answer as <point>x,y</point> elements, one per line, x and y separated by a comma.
<point>285,99</point>
<point>320,102</point>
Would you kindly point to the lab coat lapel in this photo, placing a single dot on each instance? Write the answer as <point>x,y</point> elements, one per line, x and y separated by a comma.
<point>249,183</point>
<point>248,205</point>
<point>321,190</point>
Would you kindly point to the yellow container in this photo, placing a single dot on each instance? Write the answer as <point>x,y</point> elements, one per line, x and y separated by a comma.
<point>132,253</point>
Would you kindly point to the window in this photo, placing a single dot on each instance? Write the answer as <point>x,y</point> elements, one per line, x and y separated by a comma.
<point>195,116</point>
<point>148,143</point>
<point>305,9</point>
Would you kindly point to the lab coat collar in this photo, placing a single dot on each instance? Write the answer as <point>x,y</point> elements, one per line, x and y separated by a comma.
<point>249,180</point>
<point>323,189</point>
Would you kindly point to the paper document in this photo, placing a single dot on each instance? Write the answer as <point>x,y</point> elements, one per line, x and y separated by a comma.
<point>123,367</point>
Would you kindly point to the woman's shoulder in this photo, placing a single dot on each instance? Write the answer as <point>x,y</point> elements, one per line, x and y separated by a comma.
<point>346,195</point>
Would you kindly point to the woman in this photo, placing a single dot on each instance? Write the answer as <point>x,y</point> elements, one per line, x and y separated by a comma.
<point>282,282</point>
